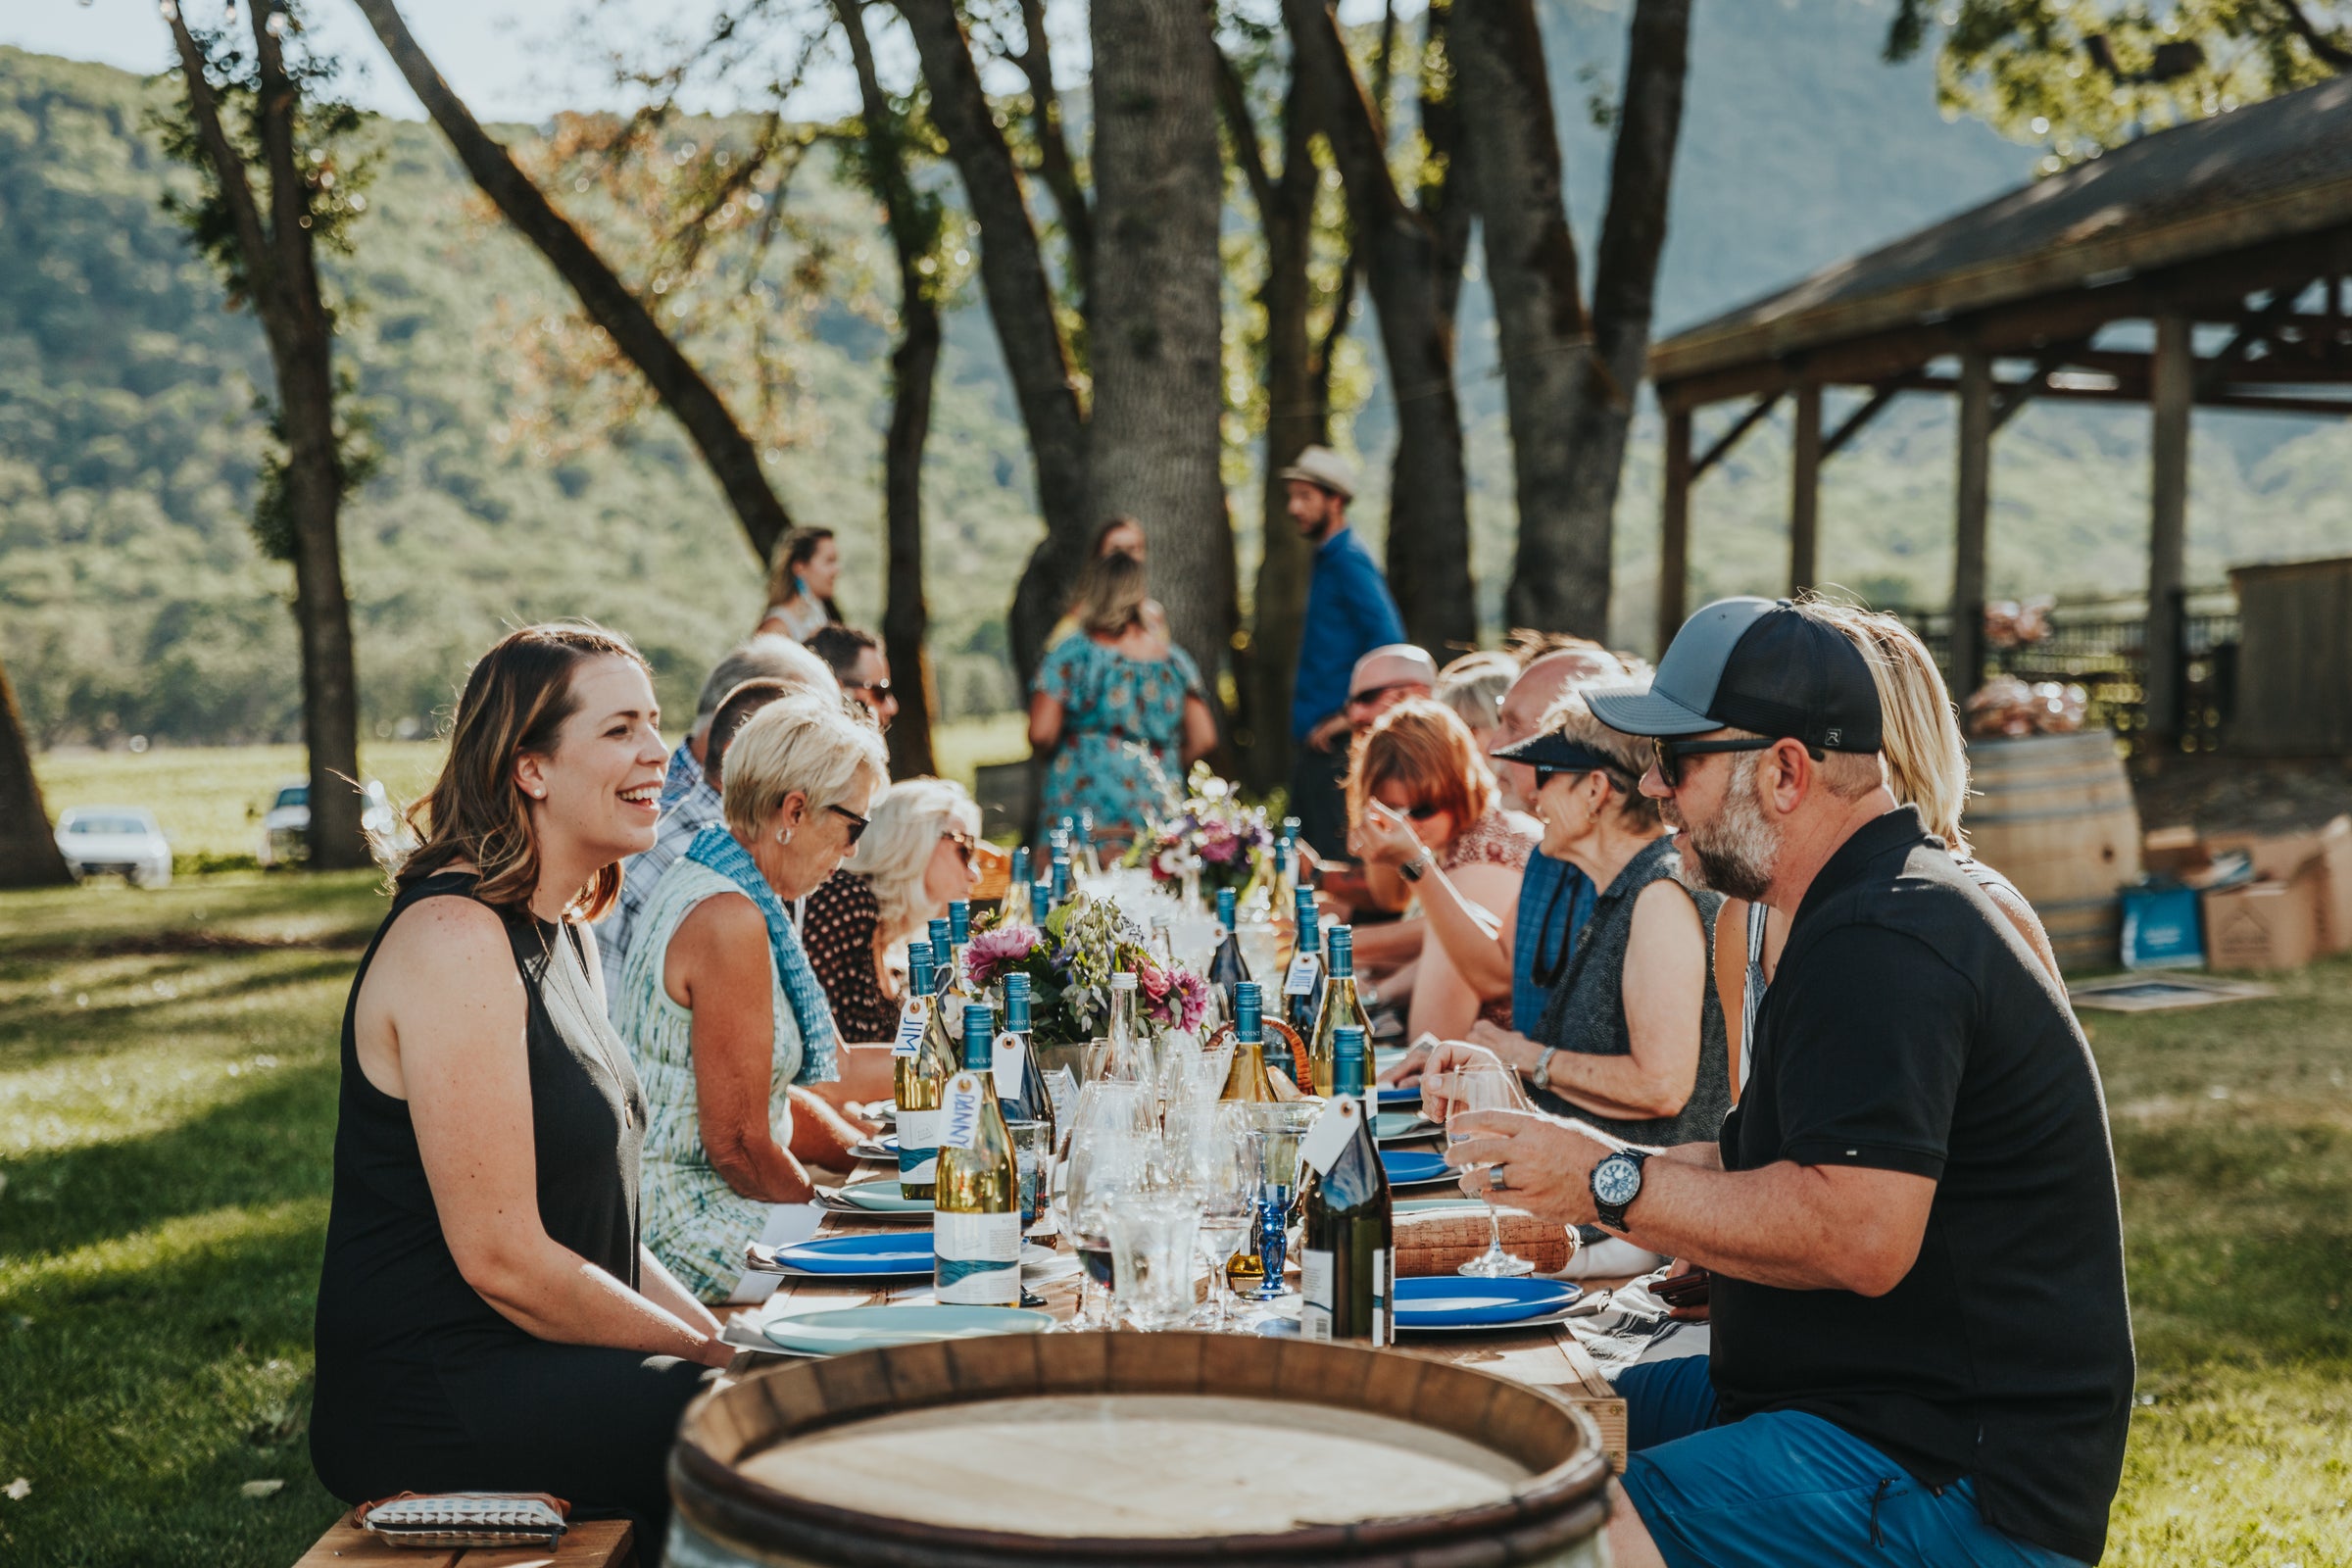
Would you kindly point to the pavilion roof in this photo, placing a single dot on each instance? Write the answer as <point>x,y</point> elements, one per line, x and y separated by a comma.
<point>2269,171</point>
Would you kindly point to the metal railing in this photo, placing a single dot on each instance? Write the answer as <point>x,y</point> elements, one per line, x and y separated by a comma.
<point>2101,645</point>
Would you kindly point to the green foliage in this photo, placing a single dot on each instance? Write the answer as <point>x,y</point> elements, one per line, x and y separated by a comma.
<point>2078,77</point>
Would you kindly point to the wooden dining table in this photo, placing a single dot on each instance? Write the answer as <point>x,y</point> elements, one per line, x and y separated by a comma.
<point>1546,1357</point>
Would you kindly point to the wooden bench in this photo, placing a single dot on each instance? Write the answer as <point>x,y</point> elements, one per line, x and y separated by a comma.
<point>591,1543</point>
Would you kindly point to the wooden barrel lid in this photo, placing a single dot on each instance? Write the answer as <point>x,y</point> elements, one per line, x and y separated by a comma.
<point>1516,1476</point>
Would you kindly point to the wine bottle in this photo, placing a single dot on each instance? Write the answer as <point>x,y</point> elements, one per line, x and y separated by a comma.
<point>1041,900</point>
<point>959,988</point>
<point>1340,1008</point>
<point>1246,1078</point>
<point>1164,942</point>
<point>1061,877</point>
<point>1345,1265</point>
<point>1020,1082</point>
<point>1302,977</point>
<point>959,923</point>
<point>1017,910</point>
<point>942,954</point>
<point>1090,855</point>
<point>976,1218</point>
<point>920,1066</point>
<point>1129,1057</point>
<point>1227,968</point>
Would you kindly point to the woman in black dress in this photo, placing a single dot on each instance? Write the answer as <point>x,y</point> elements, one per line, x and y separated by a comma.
<point>488,1319</point>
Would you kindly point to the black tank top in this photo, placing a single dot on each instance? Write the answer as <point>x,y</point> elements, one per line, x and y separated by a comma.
<point>390,1297</point>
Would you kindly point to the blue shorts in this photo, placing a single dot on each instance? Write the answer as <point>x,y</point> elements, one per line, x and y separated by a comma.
<point>1788,1489</point>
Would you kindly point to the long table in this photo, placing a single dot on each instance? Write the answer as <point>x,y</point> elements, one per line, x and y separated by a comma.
<point>1548,1357</point>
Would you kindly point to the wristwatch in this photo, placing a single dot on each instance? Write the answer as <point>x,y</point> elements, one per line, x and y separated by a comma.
<point>1616,1182</point>
<point>1541,1074</point>
<point>1412,869</point>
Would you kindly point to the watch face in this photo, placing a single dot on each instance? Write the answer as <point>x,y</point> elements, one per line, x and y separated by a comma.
<point>1616,1181</point>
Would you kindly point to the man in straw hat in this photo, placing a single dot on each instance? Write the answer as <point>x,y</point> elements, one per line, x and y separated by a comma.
<point>1349,614</point>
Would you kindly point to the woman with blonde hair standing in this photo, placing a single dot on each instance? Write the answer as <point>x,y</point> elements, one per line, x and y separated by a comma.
<point>914,858</point>
<point>487,1315</point>
<point>720,1005</point>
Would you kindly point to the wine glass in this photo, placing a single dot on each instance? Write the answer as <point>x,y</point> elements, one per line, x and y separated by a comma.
<point>1107,1168</point>
<point>1220,1178</point>
<point>1482,1088</point>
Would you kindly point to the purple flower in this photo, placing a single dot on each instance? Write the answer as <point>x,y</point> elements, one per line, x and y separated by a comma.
<point>993,952</point>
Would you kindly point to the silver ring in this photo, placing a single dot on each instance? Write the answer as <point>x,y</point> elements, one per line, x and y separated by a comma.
<point>1495,1179</point>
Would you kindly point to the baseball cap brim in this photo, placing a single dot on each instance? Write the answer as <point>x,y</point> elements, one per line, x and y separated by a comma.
<point>1553,750</point>
<point>1643,711</point>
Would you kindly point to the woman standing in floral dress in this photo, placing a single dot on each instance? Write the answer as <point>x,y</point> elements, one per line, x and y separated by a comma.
<point>1121,708</point>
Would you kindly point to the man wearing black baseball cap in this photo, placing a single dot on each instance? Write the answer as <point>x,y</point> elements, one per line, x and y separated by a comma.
<point>1920,1334</point>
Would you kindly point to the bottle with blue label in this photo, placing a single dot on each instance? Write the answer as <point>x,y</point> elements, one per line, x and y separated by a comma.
<point>920,1067</point>
<point>976,1210</point>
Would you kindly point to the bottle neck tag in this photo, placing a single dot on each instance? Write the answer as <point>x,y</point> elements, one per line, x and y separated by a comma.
<point>959,1121</point>
<point>1330,1134</point>
<point>912,1019</point>
<point>1300,980</point>
<point>1010,1048</point>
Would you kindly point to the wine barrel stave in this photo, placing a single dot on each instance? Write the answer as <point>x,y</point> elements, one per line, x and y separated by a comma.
<point>2055,814</point>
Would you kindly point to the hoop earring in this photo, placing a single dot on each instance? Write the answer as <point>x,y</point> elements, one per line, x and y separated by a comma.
<point>783,835</point>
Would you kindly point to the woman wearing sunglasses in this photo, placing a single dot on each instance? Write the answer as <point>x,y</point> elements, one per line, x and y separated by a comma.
<point>1632,1038</point>
<point>1425,805</point>
<point>914,860</point>
<point>721,1007</point>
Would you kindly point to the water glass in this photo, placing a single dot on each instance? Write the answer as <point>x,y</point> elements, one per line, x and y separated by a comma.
<point>1152,1241</point>
<point>1107,1171</point>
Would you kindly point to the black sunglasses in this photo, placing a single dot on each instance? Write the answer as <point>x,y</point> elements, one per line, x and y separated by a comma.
<point>1423,813</point>
<point>1671,752</point>
<point>880,688</point>
<point>858,824</point>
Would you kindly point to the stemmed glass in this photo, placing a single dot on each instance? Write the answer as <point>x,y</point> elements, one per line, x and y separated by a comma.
<point>1482,1088</point>
<point>1220,1177</point>
<point>1108,1167</point>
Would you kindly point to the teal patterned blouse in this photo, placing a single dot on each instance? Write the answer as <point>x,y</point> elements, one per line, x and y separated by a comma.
<point>1122,721</point>
<point>695,1223</point>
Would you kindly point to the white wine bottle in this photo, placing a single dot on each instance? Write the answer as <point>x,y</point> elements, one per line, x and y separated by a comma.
<point>1342,1008</point>
<point>1303,970</point>
<point>920,1066</point>
<point>1017,909</point>
<point>976,1218</point>
<point>1348,1262</point>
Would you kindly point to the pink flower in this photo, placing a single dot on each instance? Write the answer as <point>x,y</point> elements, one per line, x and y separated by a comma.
<point>992,952</point>
<point>1155,980</point>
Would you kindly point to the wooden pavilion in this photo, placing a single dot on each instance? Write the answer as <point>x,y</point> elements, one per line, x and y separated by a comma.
<point>2201,265</point>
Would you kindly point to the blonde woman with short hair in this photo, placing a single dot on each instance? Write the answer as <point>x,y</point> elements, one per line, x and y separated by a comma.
<point>1473,686</point>
<point>720,1005</point>
<point>917,856</point>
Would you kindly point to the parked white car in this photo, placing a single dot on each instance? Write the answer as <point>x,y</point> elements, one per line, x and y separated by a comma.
<point>115,841</point>
<point>286,825</point>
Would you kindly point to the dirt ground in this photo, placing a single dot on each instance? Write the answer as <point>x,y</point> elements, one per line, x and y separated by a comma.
<point>2235,794</point>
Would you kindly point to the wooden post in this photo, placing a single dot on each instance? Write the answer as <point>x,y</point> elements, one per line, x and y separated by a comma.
<point>1805,491</point>
<point>2169,397</point>
<point>1973,501</point>
<point>1674,530</point>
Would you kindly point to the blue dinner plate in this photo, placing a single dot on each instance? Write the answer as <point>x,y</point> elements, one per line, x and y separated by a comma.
<point>1410,1167</point>
<point>1450,1301</point>
<point>1401,1093</point>
<point>875,1255</point>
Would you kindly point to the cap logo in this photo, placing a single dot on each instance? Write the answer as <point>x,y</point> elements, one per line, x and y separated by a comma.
<point>1832,738</point>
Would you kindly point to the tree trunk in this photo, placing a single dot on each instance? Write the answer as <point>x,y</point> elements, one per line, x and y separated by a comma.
<point>1020,302</point>
<point>29,852</point>
<point>1539,293</point>
<point>1595,422</point>
<point>282,278</point>
<point>1158,398</point>
<point>913,366</point>
<point>1405,269</point>
<point>731,456</point>
<point>1298,415</point>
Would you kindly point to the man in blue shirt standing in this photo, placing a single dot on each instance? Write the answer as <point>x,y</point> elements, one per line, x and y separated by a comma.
<point>1349,614</point>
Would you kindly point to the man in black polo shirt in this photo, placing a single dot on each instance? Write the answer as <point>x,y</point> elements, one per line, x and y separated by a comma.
<point>1921,1351</point>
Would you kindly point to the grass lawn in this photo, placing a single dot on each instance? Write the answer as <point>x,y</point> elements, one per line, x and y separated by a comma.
<point>166,1109</point>
<point>209,800</point>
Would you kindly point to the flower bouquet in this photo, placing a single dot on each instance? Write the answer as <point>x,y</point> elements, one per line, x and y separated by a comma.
<point>1069,963</point>
<point>1212,835</point>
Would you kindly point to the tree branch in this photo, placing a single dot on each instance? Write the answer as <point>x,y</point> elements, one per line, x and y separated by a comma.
<point>228,169</point>
<point>732,459</point>
<point>2323,48</point>
<point>1248,149</point>
<point>1054,163</point>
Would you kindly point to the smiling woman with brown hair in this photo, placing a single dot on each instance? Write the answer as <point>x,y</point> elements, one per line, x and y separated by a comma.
<point>487,1318</point>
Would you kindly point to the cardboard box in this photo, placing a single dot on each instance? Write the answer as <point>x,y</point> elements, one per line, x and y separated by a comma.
<point>2270,924</point>
<point>2174,851</point>
<point>2325,854</point>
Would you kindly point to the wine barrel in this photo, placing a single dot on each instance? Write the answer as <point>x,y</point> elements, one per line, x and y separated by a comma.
<point>2055,814</point>
<point>1099,1450</point>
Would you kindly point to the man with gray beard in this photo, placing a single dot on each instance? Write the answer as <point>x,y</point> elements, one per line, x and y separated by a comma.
<point>1909,1222</point>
